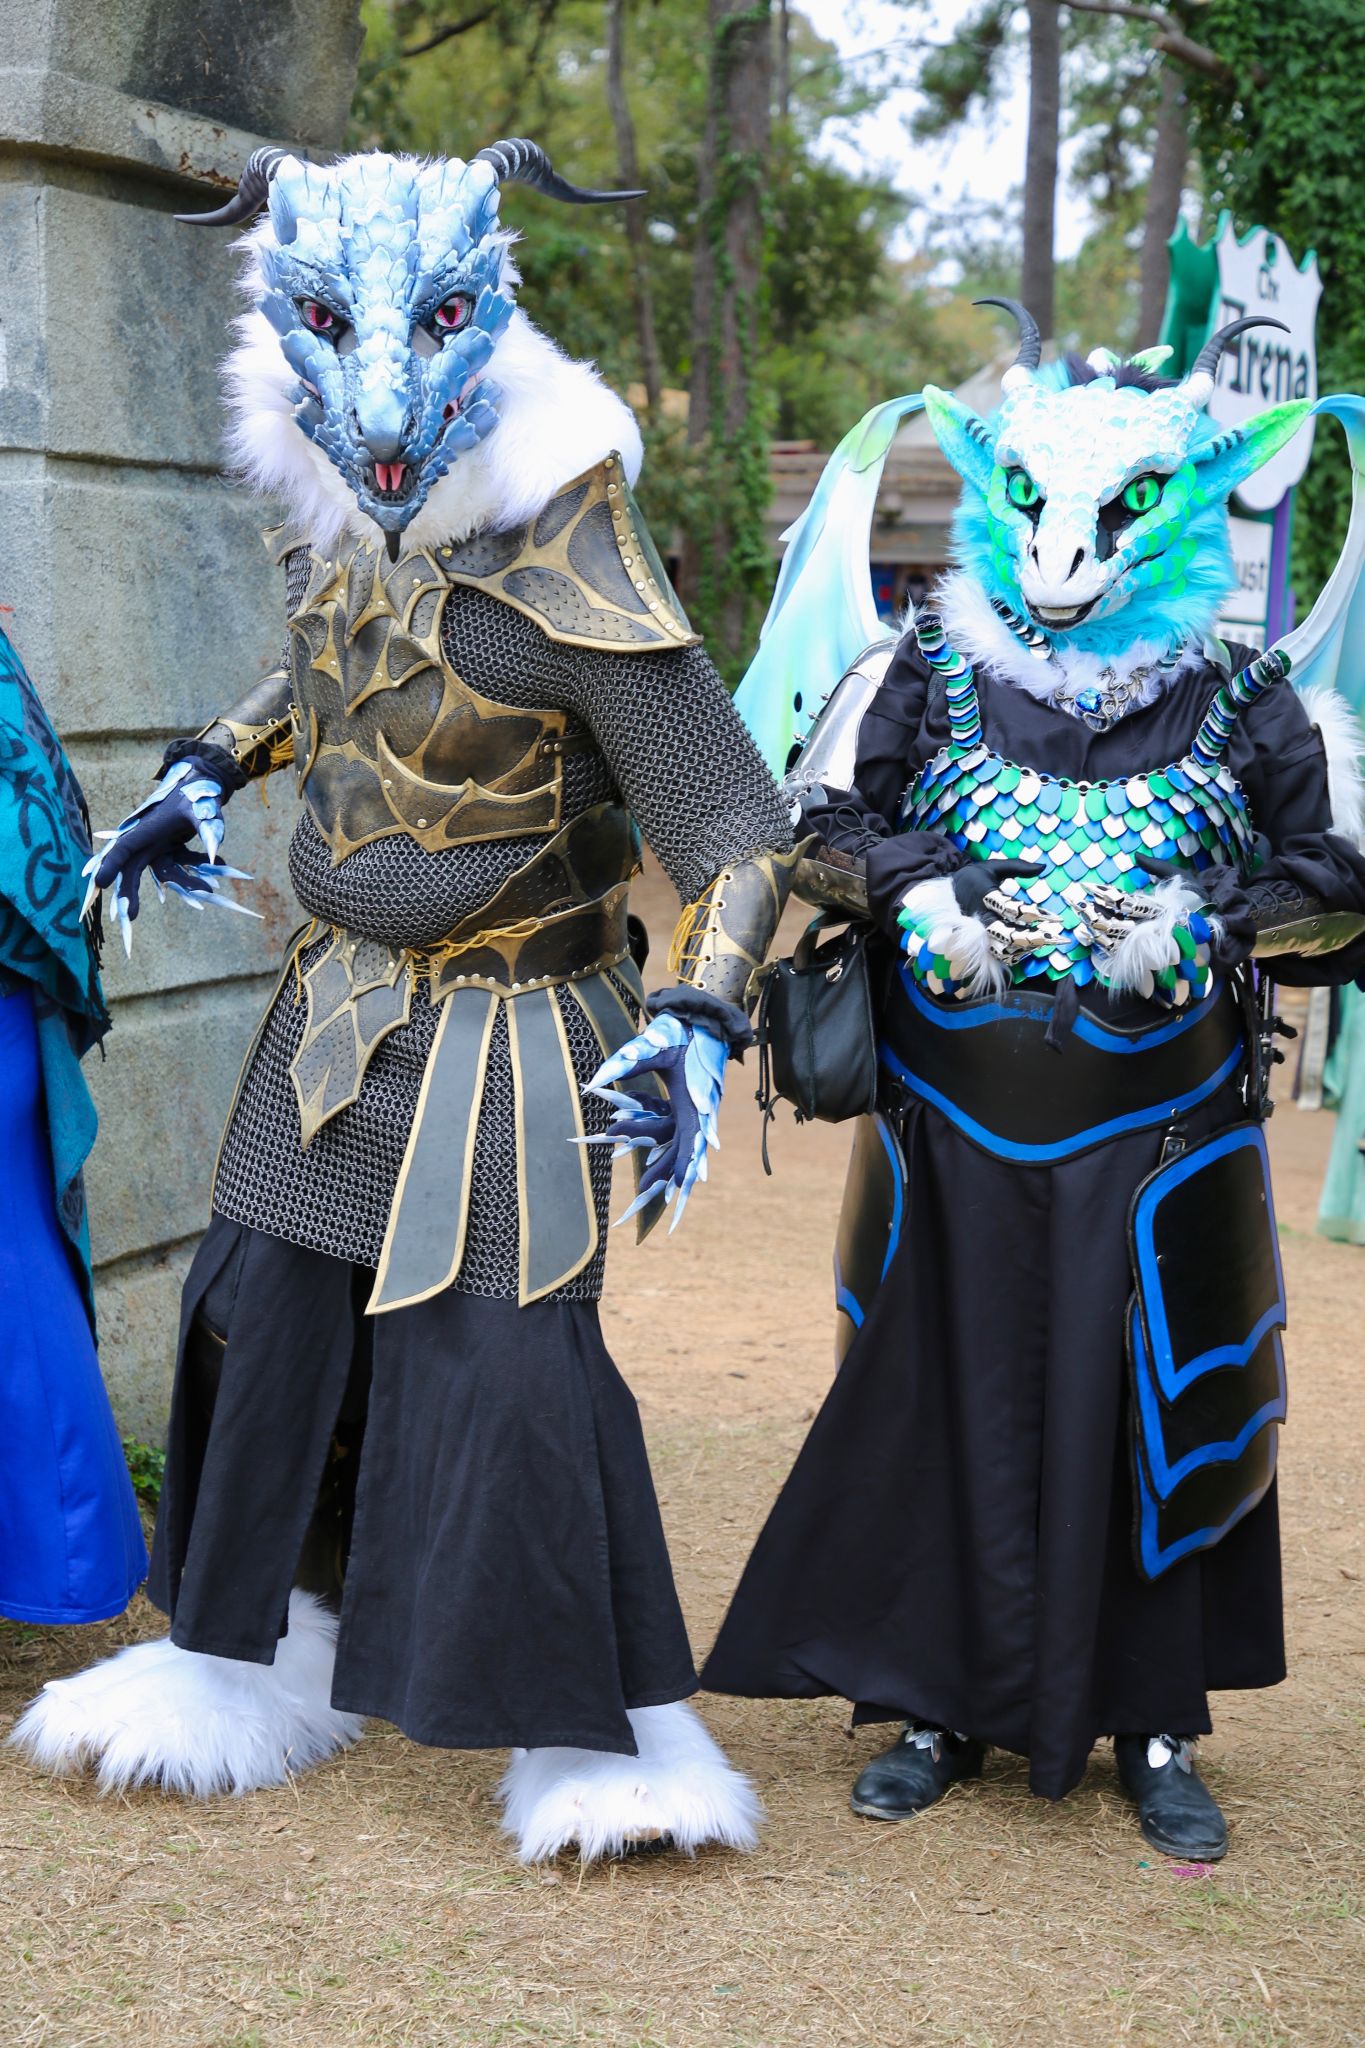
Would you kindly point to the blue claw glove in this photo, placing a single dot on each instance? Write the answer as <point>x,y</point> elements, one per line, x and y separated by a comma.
<point>154,839</point>
<point>675,1133</point>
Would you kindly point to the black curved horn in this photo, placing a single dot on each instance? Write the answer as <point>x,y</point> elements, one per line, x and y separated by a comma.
<point>1211,353</point>
<point>1030,340</point>
<point>518,161</point>
<point>250,196</point>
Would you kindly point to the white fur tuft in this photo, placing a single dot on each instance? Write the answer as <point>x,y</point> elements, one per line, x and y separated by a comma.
<point>680,1785</point>
<point>1150,945</point>
<point>191,1724</point>
<point>556,419</point>
<point>961,938</point>
<point>1345,743</point>
<point>980,635</point>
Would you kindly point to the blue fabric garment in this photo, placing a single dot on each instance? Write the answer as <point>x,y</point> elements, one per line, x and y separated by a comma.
<point>44,841</point>
<point>71,1545</point>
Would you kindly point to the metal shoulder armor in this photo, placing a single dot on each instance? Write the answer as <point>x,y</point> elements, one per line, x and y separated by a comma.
<point>585,569</point>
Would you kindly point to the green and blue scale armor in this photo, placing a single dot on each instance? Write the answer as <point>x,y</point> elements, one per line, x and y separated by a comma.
<point>1192,813</point>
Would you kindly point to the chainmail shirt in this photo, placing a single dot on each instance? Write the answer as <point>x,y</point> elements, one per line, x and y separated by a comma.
<point>656,730</point>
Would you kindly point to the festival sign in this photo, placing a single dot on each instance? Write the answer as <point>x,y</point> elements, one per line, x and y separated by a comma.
<point>1237,277</point>
<point>1257,274</point>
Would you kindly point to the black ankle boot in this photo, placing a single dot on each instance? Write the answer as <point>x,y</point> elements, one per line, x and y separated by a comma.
<point>915,1772</point>
<point>1178,1813</point>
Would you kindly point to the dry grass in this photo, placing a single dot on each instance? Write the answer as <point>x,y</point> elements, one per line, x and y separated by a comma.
<point>373,1902</point>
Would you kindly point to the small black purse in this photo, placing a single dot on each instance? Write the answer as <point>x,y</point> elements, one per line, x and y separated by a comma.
<point>817,1035</point>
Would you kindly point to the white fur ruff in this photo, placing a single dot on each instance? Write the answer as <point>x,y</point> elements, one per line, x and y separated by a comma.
<point>681,1785</point>
<point>961,938</point>
<point>1345,743</point>
<point>980,635</point>
<point>191,1724</point>
<point>556,419</point>
<point>1150,945</point>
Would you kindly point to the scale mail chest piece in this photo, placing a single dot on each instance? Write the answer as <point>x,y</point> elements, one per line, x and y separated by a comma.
<point>1192,813</point>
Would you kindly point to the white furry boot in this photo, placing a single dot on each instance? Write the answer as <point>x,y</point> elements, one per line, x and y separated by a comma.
<point>192,1724</point>
<point>680,1786</point>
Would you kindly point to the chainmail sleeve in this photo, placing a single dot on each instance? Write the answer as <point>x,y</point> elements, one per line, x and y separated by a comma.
<point>706,803</point>
<point>683,760</point>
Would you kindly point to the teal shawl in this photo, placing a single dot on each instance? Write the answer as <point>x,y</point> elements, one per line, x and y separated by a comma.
<point>44,842</point>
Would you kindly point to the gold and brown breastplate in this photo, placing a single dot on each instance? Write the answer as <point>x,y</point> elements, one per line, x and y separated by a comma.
<point>389,739</point>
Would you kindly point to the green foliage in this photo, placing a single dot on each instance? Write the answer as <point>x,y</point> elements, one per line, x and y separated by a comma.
<point>964,76</point>
<point>1279,155</point>
<point>146,1468</point>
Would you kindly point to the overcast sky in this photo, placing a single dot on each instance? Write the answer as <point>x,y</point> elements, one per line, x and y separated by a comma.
<point>985,163</point>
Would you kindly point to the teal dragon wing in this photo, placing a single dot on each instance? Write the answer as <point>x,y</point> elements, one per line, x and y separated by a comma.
<point>822,616</point>
<point>1329,647</point>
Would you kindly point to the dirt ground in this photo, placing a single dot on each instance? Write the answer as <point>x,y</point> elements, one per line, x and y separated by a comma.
<point>373,1901</point>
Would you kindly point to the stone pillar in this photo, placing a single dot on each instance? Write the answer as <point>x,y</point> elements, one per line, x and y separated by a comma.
<point>142,599</point>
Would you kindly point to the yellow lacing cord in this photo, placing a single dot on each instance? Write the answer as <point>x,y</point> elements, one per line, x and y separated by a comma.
<point>279,753</point>
<point>434,958</point>
<point>688,933</point>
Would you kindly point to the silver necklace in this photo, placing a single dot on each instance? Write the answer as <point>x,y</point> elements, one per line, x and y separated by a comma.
<point>1098,704</point>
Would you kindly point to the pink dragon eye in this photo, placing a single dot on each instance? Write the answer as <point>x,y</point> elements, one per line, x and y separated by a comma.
<point>454,312</point>
<point>318,316</point>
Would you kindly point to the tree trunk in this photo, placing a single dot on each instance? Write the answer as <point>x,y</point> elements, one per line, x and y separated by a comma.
<point>1170,155</point>
<point>637,232</point>
<point>722,565</point>
<point>784,60</point>
<point>1040,166</point>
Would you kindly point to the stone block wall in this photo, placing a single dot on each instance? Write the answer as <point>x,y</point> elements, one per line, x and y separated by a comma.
<point>141,597</point>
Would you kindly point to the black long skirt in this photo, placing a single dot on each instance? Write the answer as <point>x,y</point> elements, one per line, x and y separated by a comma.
<point>506,1578</point>
<point>954,1541</point>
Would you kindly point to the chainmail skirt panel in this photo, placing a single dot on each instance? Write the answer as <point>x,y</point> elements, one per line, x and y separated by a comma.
<point>335,1196</point>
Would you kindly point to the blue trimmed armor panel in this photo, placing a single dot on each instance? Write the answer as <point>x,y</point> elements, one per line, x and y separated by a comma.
<point>1204,1344</point>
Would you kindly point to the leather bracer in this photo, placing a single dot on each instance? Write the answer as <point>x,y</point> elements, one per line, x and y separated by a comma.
<point>721,940</point>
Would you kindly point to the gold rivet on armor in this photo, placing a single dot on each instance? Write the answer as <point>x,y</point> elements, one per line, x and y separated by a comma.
<point>421,824</point>
<point>628,560</point>
<point>611,490</point>
<point>516,988</point>
<point>388,782</point>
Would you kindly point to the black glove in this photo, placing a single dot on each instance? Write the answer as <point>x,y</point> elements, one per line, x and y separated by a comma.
<point>1222,891</point>
<point>974,882</point>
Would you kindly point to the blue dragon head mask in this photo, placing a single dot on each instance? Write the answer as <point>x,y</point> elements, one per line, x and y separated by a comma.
<point>1096,493</point>
<point>388,282</point>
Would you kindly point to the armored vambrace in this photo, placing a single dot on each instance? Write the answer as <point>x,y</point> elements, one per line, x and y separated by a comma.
<point>257,732</point>
<point>720,943</point>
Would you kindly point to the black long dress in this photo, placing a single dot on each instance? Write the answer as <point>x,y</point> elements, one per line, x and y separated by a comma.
<point>954,1542</point>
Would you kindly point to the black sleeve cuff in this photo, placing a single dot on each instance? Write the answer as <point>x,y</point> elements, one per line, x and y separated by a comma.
<point>226,770</point>
<point>698,1006</point>
<point>895,865</point>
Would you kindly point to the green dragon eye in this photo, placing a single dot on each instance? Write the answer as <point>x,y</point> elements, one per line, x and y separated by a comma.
<point>1022,490</point>
<point>1141,494</point>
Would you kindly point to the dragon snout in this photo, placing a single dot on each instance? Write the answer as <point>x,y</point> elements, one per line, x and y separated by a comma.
<point>1060,581</point>
<point>386,437</point>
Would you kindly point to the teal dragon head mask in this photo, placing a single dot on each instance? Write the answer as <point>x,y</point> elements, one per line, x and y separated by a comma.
<point>389,285</point>
<point>1096,493</point>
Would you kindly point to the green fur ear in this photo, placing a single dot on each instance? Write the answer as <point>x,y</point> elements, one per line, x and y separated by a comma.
<point>1230,459</point>
<point>963,436</point>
